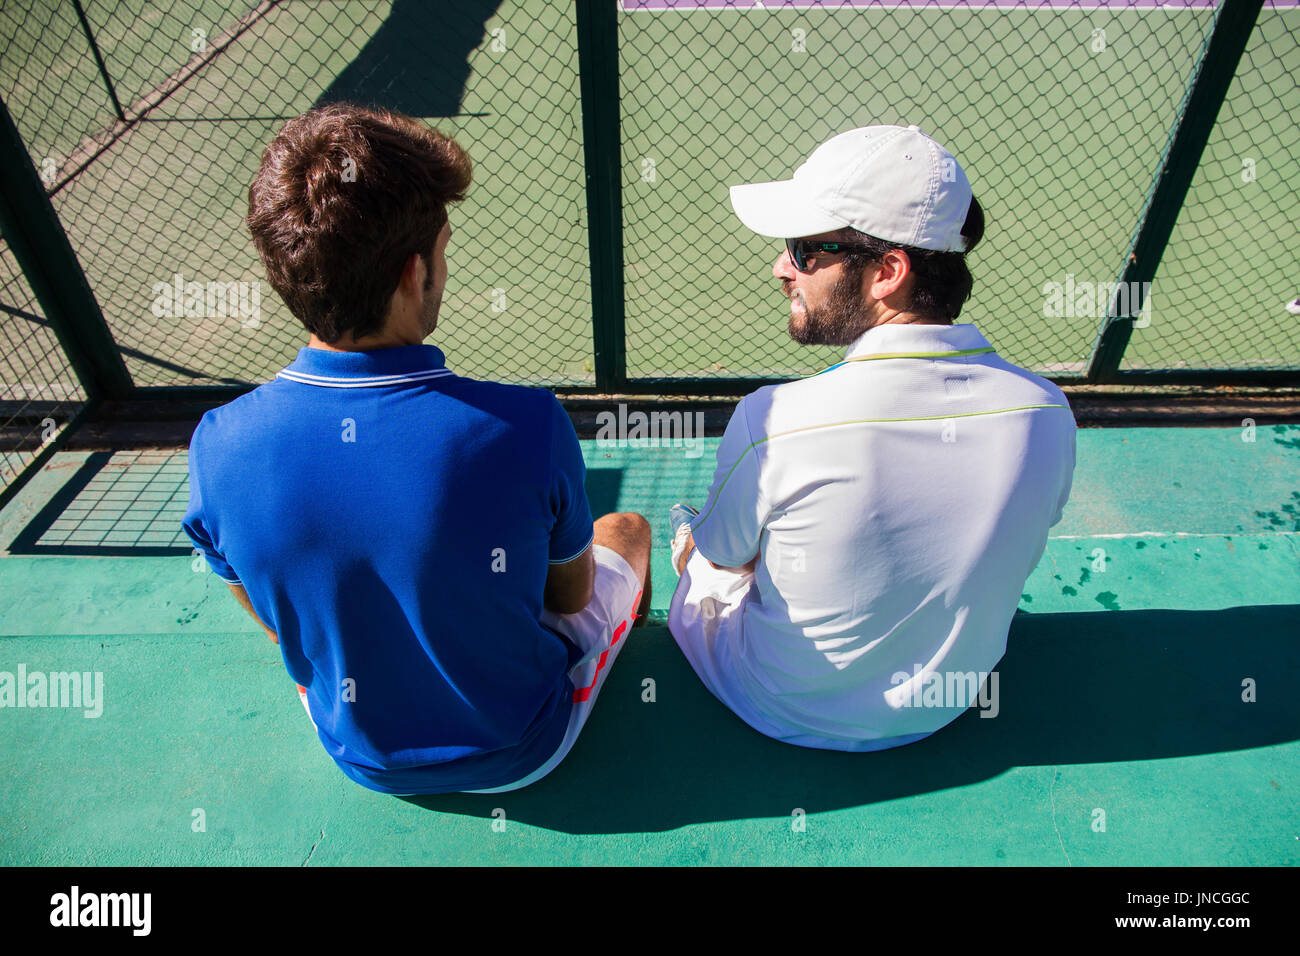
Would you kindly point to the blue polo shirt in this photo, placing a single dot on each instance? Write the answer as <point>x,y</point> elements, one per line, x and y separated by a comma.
<point>393,523</point>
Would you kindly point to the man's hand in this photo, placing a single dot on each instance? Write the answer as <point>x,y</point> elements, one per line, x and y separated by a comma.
<point>745,568</point>
<point>242,597</point>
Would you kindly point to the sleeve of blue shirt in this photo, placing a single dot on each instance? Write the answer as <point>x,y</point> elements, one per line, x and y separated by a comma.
<point>572,532</point>
<point>194,522</point>
<point>730,525</point>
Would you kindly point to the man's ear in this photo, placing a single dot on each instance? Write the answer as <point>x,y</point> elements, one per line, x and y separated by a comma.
<point>892,274</point>
<point>412,280</point>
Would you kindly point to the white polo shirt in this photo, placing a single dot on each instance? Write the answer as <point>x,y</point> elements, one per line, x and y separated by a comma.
<point>897,502</point>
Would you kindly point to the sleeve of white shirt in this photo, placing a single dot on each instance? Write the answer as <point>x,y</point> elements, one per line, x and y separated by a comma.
<point>1069,479</point>
<point>730,524</point>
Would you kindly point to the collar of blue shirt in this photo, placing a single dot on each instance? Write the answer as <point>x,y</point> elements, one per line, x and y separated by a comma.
<point>409,363</point>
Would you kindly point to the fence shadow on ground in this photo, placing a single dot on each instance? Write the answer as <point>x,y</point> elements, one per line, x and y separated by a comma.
<point>114,504</point>
<point>131,504</point>
<point>1078,688</point>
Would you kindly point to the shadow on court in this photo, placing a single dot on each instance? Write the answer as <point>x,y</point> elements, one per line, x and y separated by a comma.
<point>112,505</point>
<point>1093,687</point>
<point>603,486</point>
<point>417,62</point>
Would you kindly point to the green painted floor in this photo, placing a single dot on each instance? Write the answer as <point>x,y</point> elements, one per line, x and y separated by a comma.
<point>1169,590</point>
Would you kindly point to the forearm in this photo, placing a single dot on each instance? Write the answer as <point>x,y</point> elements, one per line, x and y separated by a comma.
<point>242,597</point>
<point>746,568</point>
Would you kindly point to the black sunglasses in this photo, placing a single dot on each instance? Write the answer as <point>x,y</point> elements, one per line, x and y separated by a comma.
<point>802,251</point>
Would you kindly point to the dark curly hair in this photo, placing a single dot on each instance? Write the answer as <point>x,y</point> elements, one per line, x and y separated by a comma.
<point>941,283</point>
<point>343,197</point>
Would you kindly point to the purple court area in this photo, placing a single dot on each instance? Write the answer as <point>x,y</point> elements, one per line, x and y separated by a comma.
<point>631,6</point>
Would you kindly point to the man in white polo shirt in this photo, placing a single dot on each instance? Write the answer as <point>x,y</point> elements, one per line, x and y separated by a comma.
<point>851,578</point>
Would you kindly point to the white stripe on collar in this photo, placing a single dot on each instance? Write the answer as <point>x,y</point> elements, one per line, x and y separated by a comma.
<point>354,382</point>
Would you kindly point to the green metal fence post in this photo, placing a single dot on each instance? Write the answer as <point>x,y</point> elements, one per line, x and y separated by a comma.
<point>34,233</point>
<point>597,22</point>
<point>1196,118</point>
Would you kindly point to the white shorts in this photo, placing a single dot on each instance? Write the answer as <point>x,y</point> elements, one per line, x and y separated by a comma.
<point>706,619</point>
<point>600,631</point>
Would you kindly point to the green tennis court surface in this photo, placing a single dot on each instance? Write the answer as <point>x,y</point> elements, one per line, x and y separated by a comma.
<point>1170,586</point>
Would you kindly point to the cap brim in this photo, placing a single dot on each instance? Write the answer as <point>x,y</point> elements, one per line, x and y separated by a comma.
<point>782,210</point>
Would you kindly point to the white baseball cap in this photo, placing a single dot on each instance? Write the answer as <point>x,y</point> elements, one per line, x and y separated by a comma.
<point>891,182</point>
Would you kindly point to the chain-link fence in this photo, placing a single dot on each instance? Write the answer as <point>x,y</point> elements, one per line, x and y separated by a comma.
<point>145,122</point>
<point>1234,258</point>
<point>155,203</point>
<point>1059,154</point>
<point>1060,114</point>
<point>39,392</point>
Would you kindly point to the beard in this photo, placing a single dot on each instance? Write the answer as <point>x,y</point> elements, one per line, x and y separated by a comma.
<point>840,320</point>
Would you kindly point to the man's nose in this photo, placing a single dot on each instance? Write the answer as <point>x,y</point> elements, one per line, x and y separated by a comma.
<point>783,268</point>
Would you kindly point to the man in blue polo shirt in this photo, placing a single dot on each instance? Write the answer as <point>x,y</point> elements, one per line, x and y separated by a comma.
<point>419,544</point>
